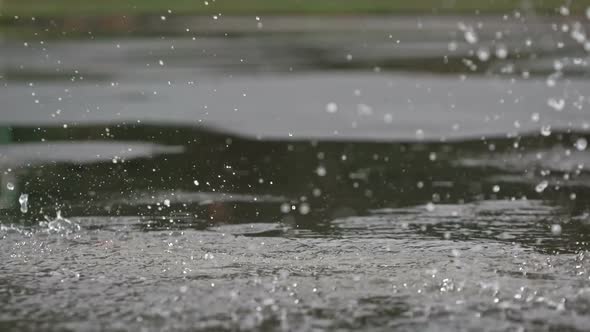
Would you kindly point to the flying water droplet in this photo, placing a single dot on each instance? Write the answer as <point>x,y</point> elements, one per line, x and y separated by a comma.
<point>546,130</point>
<point>430,207</point>
<point>468,33</point>
<point>483,54</point>
<point>556,104</point>
<point>304,208</point>
<point>556,229</point>
<point>501,51</point>
<point>331,108</point>
<point>420,134</point>
<point>10,186</point>
<point>541,186</point>
<point>24,203</point>
<point>581,144</point>
<point>321,171</point>
<point>471,36</point>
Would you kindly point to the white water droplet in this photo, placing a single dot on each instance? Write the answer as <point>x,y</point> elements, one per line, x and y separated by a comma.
<point>161,62</point>
<point>10,186</point>
<point>285,207</point>
<point>196,183</point>
<point>420,134</point>
<point>167,202</point>
<point>556,103</point>
<point>563,10</point>
<point>541,186</point>
<point>470,36</point>
<point>501,51</point>
<point>556,229</point>
<point>304,208</point>
<point>24,203</point>
<point>331,107</point>
<point>364,110</point>
<point>483,54</point>
<point>430,207</point>
<point>321,171</point>
<point>581,144</point>
<point>496,188</point>
<point>535,117</point>
<point>388,118</point>
<point>546,130</point>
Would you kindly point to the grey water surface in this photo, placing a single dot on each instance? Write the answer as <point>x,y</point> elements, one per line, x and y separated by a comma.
<point>372,173</point>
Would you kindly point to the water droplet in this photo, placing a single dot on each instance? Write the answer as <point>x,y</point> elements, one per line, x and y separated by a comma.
<point>501,51</point>
<point>541,186</point>
<point>161,62</point>
<point>304,208</point>
<point>10,186</point>
<point>364,110</point>
<point>420,134</point>
<point>321,171</point>
<point>563,10</point>
<point>546,130</point>
<point>483,54</point>
<point>556,104</point>
<point>388,118</point>
<point>581,144</point>
<point>535,117</point>
<point>556,229</point>
<point>471,36</point>
<point>452,46</point>
<point>196,183</point>
<point>331,108</point>
<point>430,207</point>
<point>24,203</point>
<point>496,188</point>
<point>285,207</point>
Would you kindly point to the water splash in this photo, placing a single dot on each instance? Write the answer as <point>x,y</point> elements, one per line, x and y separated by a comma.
<point>59,225</point>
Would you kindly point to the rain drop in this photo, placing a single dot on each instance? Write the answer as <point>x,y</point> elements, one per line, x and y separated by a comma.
<point>430,207</point>
<point>331,108</point>
<point>581,144</point>
<point>541,186</point>
<point>321,171</point>
<point>24,203</point>
<point>556,104</point>
<point>556,229</point>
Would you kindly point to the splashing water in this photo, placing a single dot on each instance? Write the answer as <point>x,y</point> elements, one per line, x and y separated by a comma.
<point>59,225</point>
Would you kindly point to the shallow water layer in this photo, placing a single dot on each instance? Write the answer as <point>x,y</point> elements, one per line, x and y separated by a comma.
<point>332,180</point>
